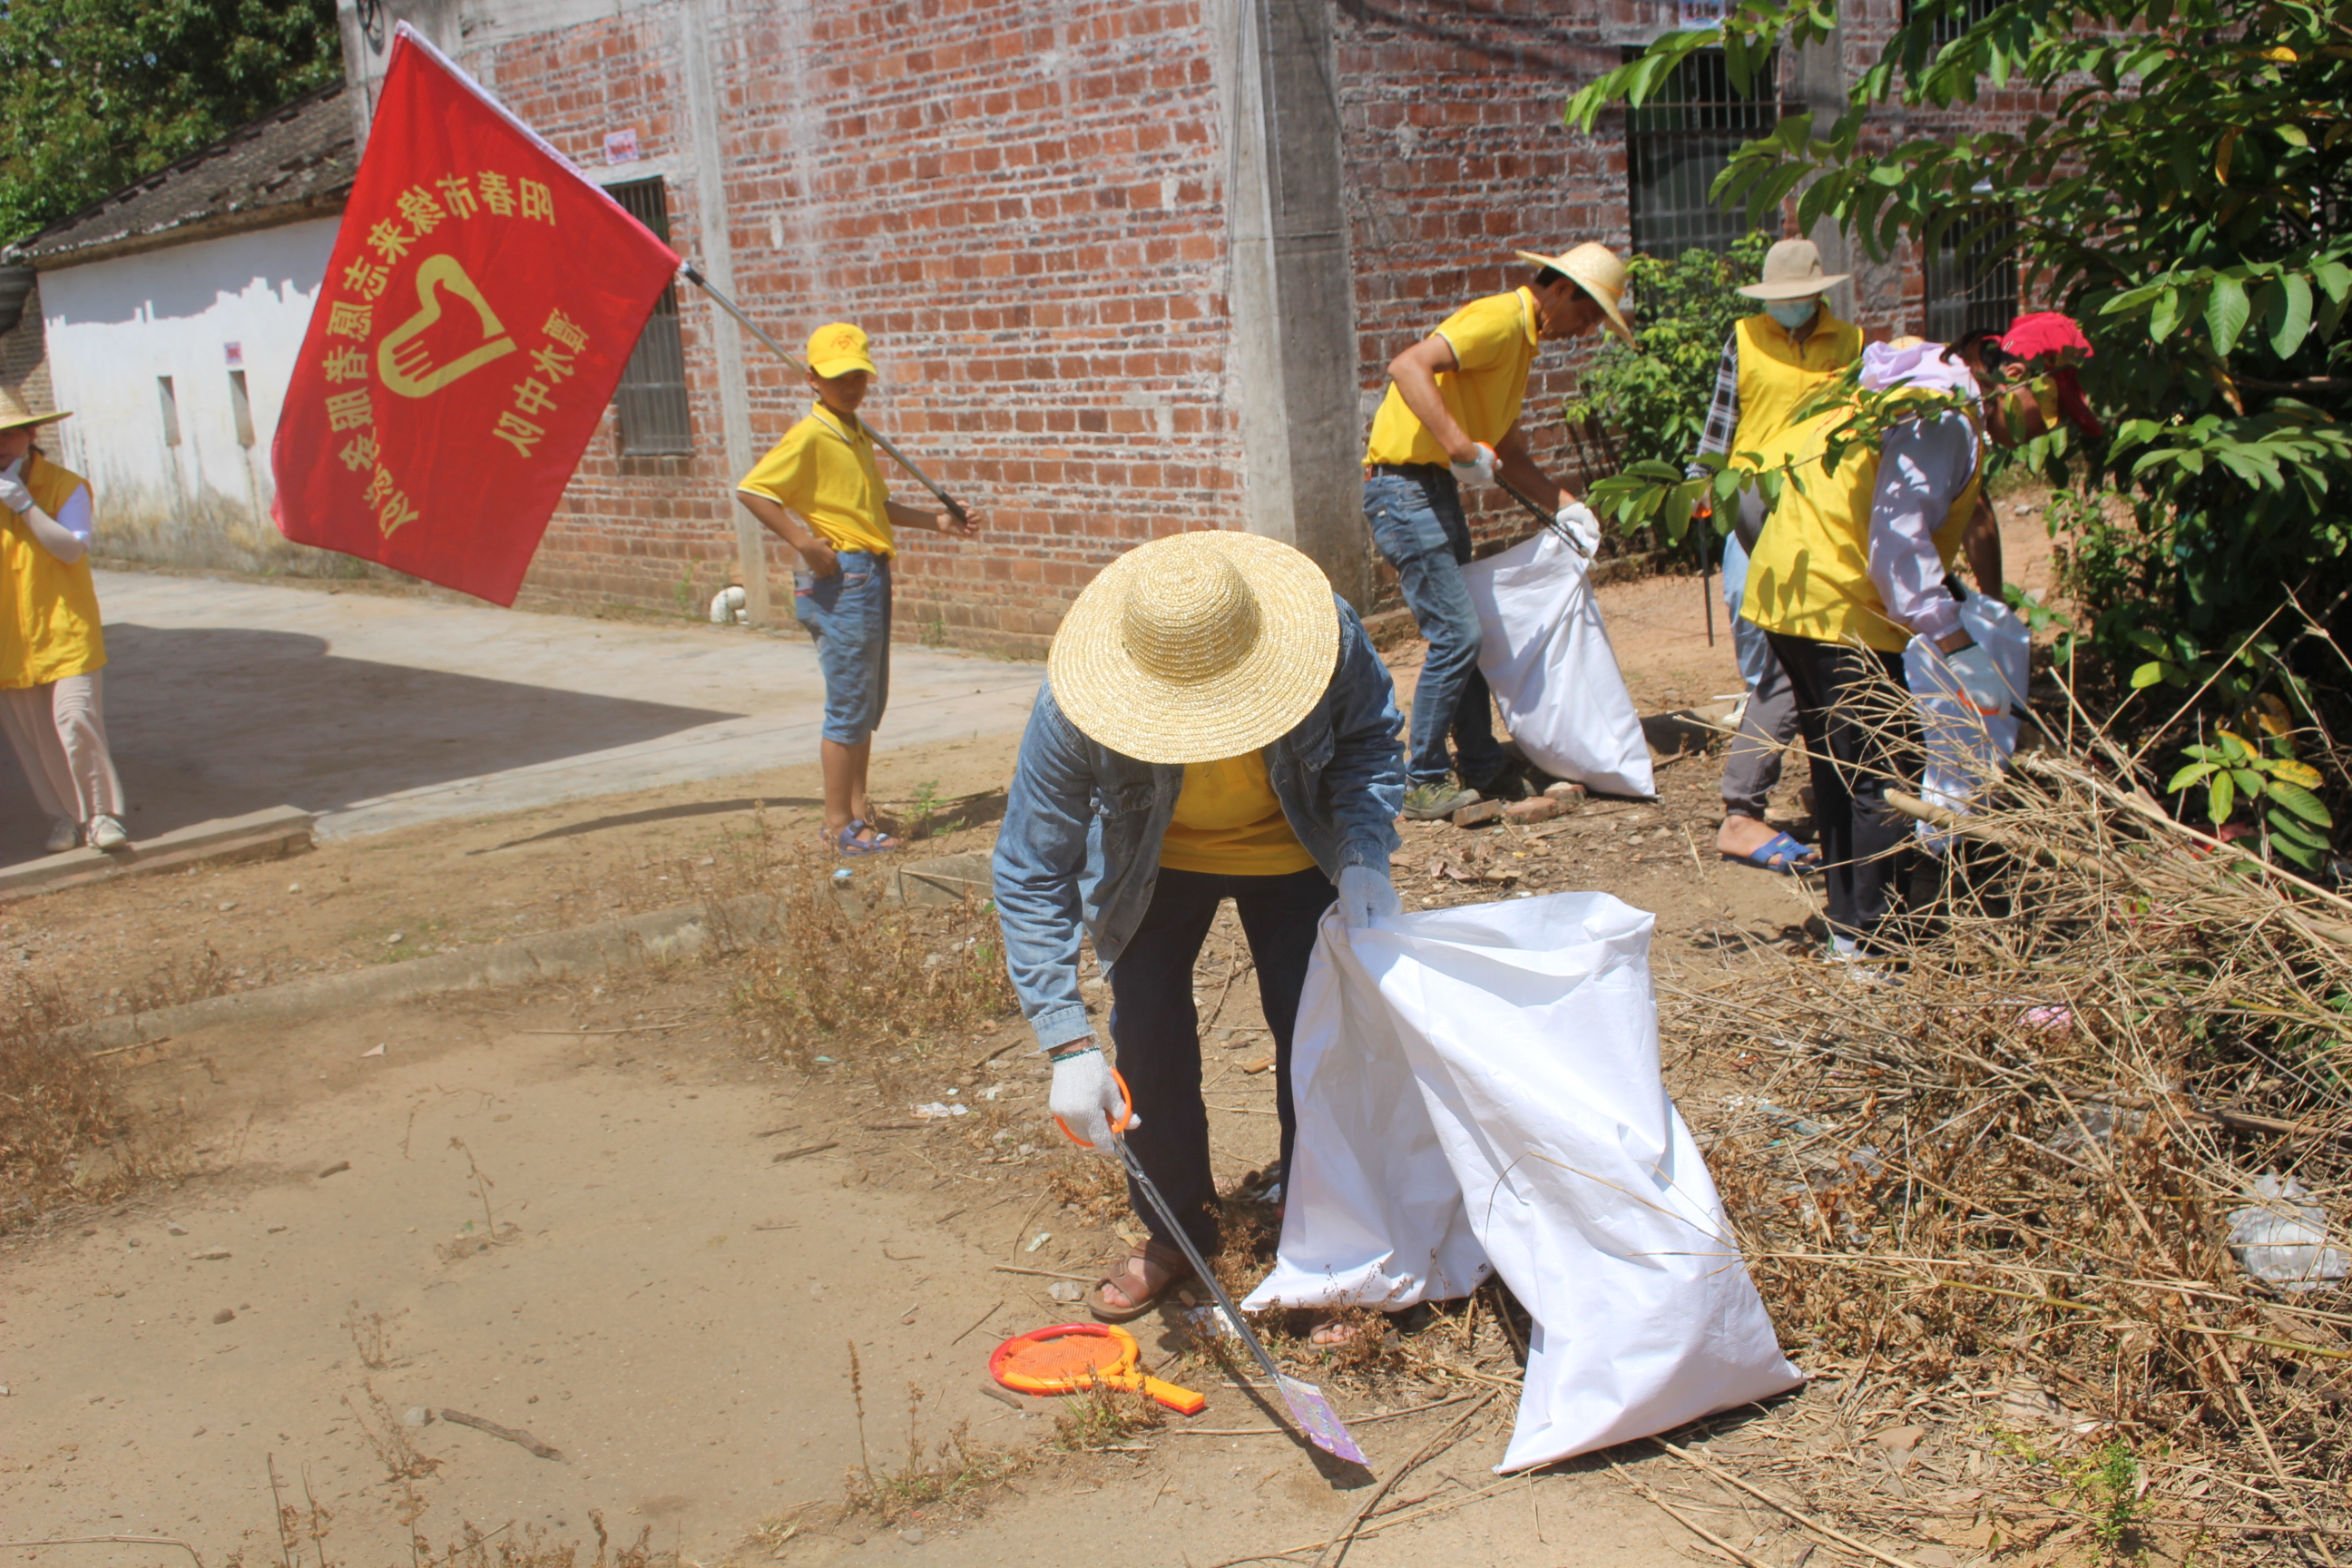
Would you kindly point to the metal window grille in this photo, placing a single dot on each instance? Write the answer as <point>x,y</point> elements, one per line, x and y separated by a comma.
<point>1678,142</point>
<point>652,394</point>
<point>1971,282</point>
<point>1955,22</point>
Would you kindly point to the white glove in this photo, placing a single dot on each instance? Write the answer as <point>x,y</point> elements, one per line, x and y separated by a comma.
<point>13,495</point>
<point>1980,679</point>
<point>1480,467</point>
<point>1366,895</point>
<point>1582,526</point>
<point>1085,1098</point>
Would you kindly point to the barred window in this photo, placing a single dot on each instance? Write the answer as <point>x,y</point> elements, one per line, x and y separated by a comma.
<point>1679,141</point>
<point>1971,279</point>
<point>651,397</point>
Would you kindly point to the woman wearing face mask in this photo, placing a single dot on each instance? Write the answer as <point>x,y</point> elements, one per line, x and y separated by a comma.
<point>1772,364</point>
<point>51,646</point>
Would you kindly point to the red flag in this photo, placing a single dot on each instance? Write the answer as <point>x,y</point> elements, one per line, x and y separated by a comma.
<point>481,301</point>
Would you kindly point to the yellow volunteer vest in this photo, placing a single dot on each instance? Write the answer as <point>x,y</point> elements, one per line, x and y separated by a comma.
<point>1776,376</point>
<point>51,629</point>
<point>1809,574</point>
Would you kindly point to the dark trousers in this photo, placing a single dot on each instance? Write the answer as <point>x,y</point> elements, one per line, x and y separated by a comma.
<point>1862,740</point>
<point>1156,1027</point>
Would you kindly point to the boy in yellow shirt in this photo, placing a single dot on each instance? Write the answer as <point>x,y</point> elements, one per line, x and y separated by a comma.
<point>820,492</point>
<point>1452,414</point>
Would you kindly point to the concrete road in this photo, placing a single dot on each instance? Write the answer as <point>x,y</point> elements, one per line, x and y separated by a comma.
<point>224,698</point>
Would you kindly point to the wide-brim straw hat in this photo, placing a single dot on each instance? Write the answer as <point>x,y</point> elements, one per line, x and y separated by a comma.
<point>1792,271</point>
<point>1600,272</point>
<point>14,414</point>
<point>1196,647</point>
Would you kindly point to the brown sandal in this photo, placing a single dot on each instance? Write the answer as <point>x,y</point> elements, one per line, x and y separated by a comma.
<point>1174,1270</point>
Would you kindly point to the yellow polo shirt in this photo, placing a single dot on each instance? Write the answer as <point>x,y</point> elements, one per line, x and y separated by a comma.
<point>1494,342</point>
<point>1229,821</point>
<point>824,469</point>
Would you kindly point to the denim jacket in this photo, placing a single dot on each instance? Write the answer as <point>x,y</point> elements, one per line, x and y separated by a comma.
<point>1082,830</point>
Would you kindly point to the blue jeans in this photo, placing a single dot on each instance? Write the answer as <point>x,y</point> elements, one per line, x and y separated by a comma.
<point>1417,523</point>
<point>849,615</point>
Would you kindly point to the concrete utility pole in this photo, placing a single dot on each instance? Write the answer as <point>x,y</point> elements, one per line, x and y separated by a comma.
<point>1293,299</point>
<point>716,256</point>
<point>367,29</point>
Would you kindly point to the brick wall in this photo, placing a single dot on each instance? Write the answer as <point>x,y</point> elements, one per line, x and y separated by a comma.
<point>24,357</point>
<point>1022,201</point>
<point>1019,202</point>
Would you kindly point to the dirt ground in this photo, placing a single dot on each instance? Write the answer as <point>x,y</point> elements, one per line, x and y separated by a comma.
<point>604,1213</point>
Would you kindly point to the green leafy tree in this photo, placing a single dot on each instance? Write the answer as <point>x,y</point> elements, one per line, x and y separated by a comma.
<point>1656,396</point>
<point>96,93</point>
<point>2181,189</point>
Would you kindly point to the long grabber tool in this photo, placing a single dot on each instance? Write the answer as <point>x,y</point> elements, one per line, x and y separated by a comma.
<point>1550,520</point>
<point>693,274</point>
<point>1316,1418</point>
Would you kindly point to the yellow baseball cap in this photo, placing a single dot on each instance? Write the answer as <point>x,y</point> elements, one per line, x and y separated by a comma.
<point>839,347</point>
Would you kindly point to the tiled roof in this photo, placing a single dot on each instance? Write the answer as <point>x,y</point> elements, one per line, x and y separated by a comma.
<point>292,163</point>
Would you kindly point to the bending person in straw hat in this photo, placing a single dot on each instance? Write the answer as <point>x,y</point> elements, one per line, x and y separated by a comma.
<point>1772,362</point>
<point>53,648</point>
<point>1452,415</point>
<point>1214,724</point>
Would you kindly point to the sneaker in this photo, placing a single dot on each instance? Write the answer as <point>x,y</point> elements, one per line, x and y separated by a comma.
<point>106,833</point>
<point>64,834</point>
<point>1436,800</point>
<point>1507,784</point>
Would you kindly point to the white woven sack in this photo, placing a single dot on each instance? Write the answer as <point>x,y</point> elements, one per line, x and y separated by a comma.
<point>1547,658</point>
<point>1478,1091</point>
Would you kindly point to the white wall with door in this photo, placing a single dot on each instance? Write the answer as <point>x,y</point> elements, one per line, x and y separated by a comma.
<point>174,364</point>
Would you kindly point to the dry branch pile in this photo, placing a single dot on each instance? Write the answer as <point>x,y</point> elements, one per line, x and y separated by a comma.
<point>2015,1173</point>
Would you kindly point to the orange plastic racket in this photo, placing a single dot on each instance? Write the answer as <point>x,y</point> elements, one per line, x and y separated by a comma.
<point>1070,1358</point>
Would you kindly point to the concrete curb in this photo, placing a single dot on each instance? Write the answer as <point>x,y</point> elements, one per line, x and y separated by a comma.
<point>629,943</point>
<point>271,834</point>
<point>626,943</point>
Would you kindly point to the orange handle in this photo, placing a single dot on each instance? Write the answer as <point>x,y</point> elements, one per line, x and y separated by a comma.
<point>1182,1401</point>
<point>1125,1114</point>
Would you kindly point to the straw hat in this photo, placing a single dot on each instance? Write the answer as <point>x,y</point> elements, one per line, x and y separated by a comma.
<point>1196,647</point>
<point>14,414</point>
<point>1600,272</point>
<point>1792,271</point>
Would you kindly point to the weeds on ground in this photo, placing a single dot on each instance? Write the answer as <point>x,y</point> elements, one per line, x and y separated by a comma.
<point>1105,1419</point>
<point>834,971</point>
<point>370,1335</point>
<point>66,1132</point>
<point>954,1473</point>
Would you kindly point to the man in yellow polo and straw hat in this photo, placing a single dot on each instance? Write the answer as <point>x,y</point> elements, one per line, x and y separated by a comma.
<point>1213,724</point>
<point>51,646</point>
<point>1452,415</point>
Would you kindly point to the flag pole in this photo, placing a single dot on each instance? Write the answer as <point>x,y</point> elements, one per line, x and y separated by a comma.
<point>693,274</point>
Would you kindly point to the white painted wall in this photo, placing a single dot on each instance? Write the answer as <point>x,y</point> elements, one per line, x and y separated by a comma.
<point>114,327</point>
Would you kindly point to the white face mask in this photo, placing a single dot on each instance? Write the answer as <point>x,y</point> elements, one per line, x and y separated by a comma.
<point>1792,313</point>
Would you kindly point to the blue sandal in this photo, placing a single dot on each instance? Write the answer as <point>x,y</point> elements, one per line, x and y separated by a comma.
<point>1779,853</point>
<point>848,845</point>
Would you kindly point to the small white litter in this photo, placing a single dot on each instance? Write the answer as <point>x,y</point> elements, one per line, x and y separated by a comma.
<point>2282,1241</point>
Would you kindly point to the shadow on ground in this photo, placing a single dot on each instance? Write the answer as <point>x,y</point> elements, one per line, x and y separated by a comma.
<point>209,723</point>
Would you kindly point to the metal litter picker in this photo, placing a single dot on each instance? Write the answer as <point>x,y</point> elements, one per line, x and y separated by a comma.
<point>1316,1418</point>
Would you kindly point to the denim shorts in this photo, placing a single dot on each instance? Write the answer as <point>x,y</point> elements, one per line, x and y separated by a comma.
<point>849,615</point>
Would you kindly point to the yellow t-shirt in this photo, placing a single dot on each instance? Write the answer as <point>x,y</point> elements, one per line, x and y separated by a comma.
<point>1229,821</point>
<point>1494,342</point>
<point>824,469</point>
<point>49,625</point>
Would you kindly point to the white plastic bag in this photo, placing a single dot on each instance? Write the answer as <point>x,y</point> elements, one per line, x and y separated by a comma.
<point>1478,1091</point>
<point>1547,658</point>
<point>1966,743</point>
<point>2282,1240</point>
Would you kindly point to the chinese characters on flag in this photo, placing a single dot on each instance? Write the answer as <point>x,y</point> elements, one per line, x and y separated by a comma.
<point>480,303</point>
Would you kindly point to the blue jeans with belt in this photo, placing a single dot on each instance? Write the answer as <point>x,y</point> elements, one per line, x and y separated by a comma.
<point>1415,514</point>
<point>849,615</point>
